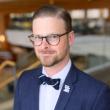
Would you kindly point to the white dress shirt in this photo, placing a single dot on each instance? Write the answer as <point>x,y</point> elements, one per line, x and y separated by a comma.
<point>48,96</point>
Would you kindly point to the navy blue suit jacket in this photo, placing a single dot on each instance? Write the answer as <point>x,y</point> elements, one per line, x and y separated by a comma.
<point>85,92</point>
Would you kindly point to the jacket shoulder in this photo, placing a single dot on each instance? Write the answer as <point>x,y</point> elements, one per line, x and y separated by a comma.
<point>84,80</point>
<point>27,74</point>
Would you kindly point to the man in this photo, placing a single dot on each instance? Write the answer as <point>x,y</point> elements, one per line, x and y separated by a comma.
<point>57,84</point>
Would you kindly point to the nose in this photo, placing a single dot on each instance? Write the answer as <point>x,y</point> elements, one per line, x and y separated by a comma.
<point>44,43</point>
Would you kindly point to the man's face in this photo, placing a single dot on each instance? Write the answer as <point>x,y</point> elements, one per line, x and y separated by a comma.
<point>50,55</point>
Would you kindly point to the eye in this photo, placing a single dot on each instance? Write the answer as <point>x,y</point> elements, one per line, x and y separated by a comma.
<point>37,37</point>
<point>54,36</point>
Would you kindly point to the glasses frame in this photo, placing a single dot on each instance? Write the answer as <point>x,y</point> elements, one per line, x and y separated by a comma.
<point>46,37</point>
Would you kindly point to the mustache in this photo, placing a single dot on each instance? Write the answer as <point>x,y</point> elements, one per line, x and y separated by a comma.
<point>47,51</point>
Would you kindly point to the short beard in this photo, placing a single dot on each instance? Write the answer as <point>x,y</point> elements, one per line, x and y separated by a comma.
<point>54,61</point>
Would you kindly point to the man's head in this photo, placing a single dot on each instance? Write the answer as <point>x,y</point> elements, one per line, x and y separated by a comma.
<point>52,34</point>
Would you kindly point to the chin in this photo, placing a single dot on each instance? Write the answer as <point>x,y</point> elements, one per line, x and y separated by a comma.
<point>47,65</point>
<point>50,64</point>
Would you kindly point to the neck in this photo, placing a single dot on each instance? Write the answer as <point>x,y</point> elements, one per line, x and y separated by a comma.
<point>57,67</point>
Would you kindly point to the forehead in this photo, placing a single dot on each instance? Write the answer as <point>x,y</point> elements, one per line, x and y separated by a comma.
<point>48,25</point>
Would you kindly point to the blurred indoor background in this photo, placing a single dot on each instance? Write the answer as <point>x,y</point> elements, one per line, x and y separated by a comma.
<point>90,52</point>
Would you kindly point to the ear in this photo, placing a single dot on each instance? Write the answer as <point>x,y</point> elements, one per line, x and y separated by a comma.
<point>71,38</point>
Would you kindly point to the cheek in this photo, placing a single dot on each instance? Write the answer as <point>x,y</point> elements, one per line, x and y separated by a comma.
<point>36,50</point>
<point>65,43</point>
<point>63,47</point>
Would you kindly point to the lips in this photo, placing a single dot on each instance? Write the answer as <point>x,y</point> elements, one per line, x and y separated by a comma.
<point>47,52</point>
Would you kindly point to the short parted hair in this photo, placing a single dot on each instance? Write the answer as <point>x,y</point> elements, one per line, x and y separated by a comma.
<point>54,11</point>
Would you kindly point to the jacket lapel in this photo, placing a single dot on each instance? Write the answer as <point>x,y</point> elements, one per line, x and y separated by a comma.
<point>35,96</point>
<point>36,87</point>
<point>67,89</point>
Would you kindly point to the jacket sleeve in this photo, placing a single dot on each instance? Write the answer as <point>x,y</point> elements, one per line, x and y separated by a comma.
<point>102,101</point>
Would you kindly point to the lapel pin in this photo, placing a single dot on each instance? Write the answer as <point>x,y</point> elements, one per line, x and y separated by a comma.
<point>66,88</point>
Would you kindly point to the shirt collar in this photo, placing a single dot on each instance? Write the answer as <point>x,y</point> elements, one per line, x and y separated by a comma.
<point>62,74</point>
